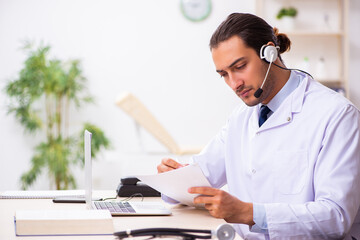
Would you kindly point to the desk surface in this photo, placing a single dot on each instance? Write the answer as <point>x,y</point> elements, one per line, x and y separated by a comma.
<point>182,217</point>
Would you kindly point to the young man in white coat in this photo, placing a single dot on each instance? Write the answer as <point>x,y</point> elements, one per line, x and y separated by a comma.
<point>290,155</point>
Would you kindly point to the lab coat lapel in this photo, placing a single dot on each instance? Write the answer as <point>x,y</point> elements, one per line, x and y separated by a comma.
<point>254,122</point>
<point>292,104</point>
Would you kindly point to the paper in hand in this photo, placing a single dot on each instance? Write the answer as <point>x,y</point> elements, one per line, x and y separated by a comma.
<point>175,183</point>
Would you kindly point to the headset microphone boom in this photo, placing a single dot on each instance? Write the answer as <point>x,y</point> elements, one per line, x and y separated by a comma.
<point>269,53</point>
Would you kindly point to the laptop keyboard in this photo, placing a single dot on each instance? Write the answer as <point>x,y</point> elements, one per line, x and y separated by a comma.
<point>115,207</point>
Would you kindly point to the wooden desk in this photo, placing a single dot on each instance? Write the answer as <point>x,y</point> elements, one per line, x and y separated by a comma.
<point>182,217</point>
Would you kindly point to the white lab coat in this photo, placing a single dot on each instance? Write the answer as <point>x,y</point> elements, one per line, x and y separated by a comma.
<point>303,164</point>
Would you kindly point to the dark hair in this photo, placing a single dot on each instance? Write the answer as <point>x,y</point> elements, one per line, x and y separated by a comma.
<point>253,30</point>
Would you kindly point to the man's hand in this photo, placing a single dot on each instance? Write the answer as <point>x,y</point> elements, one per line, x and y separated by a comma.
<point>168,164</point>
<point>221,204</point>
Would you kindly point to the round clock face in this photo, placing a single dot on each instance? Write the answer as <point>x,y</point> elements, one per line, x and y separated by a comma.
<point>196,10</point>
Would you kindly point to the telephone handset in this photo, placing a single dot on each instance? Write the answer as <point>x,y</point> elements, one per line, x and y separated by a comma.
<point>129,180</point>
<point>131,185</point>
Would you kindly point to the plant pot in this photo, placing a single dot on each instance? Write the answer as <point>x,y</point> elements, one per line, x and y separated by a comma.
<point>287,23</point>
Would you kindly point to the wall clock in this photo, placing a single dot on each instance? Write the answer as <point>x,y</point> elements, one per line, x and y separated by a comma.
<point>195,10</point>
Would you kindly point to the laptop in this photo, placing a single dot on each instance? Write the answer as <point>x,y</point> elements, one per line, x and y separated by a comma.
<point>116,208</point>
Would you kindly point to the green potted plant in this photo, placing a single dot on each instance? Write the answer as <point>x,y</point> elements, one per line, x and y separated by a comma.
<point>286,12</point>
<point>287,17</point>
<point>40,99</point>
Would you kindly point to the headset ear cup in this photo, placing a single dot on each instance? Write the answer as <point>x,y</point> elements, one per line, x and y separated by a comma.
<point>269,53</point>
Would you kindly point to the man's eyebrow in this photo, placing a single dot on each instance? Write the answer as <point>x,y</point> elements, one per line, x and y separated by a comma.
<point>236,61</point>
<point>232,64</point>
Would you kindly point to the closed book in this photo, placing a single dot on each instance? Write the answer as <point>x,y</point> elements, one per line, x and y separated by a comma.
<point>63,222</point>
<point>41,194</point>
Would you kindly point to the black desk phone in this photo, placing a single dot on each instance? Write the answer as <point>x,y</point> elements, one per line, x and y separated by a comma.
<point>131,185</point>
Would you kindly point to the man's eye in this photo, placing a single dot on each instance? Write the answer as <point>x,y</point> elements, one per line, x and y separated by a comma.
<point>240,66</point>
<point>223,75</point>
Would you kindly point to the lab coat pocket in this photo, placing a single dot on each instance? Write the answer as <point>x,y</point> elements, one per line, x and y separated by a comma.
<point>290,171</point>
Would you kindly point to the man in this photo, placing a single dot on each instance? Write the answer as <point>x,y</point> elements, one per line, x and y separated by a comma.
<point>290,156</point>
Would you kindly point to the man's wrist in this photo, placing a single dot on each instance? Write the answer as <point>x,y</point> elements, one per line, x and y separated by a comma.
<point>245,214</point>
<point>250,220</point>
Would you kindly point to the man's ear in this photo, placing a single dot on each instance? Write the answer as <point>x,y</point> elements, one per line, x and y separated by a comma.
<point>270,44</point>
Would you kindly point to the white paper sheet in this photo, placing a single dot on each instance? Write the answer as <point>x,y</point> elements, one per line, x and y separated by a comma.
<point>175,183</point>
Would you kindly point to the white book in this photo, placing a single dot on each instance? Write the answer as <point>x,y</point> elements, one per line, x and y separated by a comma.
<point>63,222</point>
<point>41,194</point>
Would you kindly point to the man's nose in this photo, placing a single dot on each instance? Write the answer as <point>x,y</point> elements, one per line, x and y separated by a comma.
<point>234,82</point>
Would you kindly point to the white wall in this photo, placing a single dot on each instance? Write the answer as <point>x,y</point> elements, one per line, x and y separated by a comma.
<point>145,47</point>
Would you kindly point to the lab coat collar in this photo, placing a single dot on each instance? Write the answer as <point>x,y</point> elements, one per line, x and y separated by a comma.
<point>284,115</point>
<point>291,84</point>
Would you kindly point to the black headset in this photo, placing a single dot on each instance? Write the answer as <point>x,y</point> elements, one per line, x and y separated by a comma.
<point>222,232</point>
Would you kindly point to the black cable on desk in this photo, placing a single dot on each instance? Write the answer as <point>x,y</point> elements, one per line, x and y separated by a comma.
<point>125,199</point>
